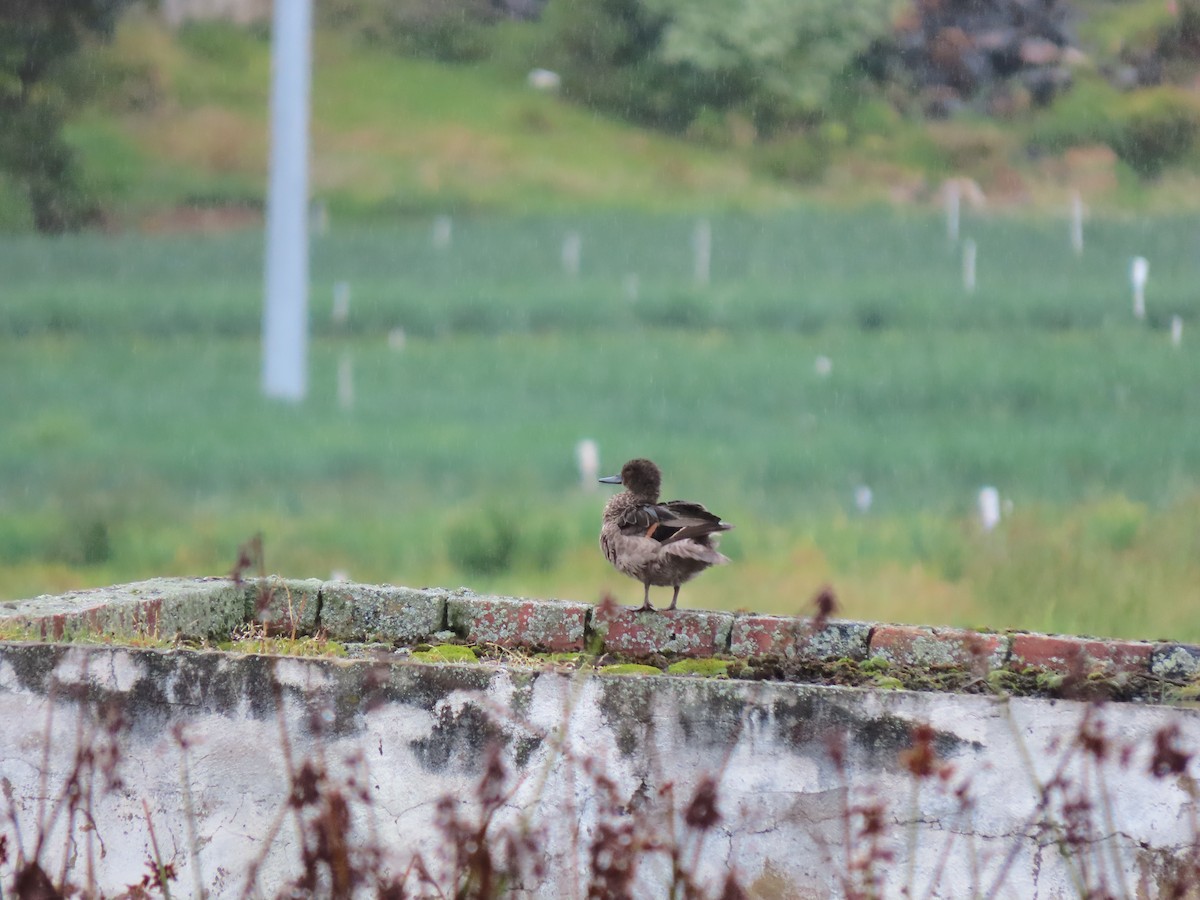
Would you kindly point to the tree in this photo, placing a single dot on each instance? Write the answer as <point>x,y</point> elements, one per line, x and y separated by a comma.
<point>662,62</point>
<point>790,54</point>
<point>35,37</point>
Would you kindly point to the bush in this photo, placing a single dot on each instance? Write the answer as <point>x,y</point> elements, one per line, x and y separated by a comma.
<point>604,51</point>
<point>446,30</point>
<point>801,158</point>
<point>218,42</point>
<point>675,309</point>
<point>1159,127</point>
<point>483,544</point>
<point>34,156</point>
<point>667,63</point>
<point>501,540</point>
<point>1083,116</point>
<point>1148,129</point>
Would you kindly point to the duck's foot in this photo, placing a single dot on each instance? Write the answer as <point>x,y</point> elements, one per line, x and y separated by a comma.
<point>646,607</point>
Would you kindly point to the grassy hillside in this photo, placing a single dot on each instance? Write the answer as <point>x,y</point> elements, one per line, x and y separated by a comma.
<point>166,121</point>
<point>182,120</point>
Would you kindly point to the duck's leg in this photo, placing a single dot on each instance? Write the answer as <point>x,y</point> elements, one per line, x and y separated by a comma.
<point>674,598</point>
<point>646,607</point>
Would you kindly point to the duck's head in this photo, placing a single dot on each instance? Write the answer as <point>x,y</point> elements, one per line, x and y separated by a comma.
<point>640,477</point>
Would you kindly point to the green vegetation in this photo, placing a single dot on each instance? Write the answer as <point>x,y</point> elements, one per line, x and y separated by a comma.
<point>38,174</point>
<point>166,125</point>
<point>249,639</point>
<point>703,668</point>
<point>280,645</point>
<point>446,653</point>
<point>169,129</point>
<point>1149,130</point>
<point>136,442</point>
<point>629,669</point>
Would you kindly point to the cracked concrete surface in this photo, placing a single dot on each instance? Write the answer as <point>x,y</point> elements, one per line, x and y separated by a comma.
<point>422,732</point>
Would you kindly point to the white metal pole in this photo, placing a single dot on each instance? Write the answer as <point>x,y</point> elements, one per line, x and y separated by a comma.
<point>285,311</point>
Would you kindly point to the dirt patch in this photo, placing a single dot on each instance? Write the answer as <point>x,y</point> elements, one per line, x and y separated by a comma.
<point>201,219</point>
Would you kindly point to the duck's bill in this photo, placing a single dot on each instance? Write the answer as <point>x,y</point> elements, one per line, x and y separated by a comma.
<point>611,479</point>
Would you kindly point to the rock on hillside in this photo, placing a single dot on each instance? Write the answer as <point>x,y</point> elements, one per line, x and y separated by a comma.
<point>998,56</point>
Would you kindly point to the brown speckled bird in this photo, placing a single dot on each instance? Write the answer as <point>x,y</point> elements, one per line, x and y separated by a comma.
<point>657,543</point>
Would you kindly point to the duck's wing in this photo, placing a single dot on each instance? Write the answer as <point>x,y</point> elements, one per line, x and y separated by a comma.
<point>642,520</point>
<point>669,522</point>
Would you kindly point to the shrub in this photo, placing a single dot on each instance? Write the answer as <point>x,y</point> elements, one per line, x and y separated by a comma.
<point>1148,129</point>
<point>483,544</point>
<point>668,62</point>
<point>33,154</point>
<point>676,309</point>
<point>447,30</point>
<point>1159,127</point>
<point>801,158</point>
<point>499,540</point>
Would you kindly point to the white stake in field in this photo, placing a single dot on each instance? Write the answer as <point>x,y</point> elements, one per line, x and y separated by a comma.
<point>587,454</point>
<point>1139,273</point>
<point>1077,223</point>
<point>632,286</point>
<point>345,382</point>
<point>443,232</point>
<point>318,218</point>
<point>572,253</point>
<point>702,252</point>
<point>989,507</point>
<point>341,303</point>
<point>968,265</point>
<point>953,210</point>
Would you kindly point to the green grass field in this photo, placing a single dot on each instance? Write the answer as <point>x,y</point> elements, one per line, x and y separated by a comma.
<point>136,443</point>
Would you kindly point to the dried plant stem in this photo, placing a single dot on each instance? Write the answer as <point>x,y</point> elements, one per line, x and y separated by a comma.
<point>159,868</point>
<point>189,816</point>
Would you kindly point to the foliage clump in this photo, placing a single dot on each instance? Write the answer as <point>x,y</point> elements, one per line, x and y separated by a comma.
<point>669,63</point>
<point>494,541</point>
<point>35,40</point>
<point>446,653</point>
<point>1148,129</point>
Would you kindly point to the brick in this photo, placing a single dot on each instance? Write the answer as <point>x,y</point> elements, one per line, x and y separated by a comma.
<point>556,625</point>
<point>159,607</point>
<point>1175,662</point>
<point>1086,656</point>
<point>368,612</point>
<point>685,632</point>
<point>283,603</point>
<point>914,645</point>
<point>790,637</point>
<point>204,607</point>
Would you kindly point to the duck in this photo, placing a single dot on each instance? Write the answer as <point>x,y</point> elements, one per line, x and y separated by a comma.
<point>661,544</point>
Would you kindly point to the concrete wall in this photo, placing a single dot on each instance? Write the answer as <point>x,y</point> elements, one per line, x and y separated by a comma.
<point>814,786</point>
